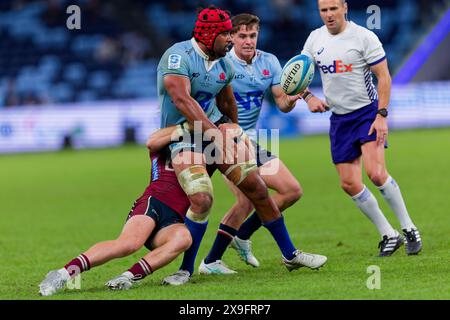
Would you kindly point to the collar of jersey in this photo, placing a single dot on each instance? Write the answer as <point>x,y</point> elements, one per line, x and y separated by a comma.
<point>347,27</point>
<point>243,62</point>
<point>208,64</point>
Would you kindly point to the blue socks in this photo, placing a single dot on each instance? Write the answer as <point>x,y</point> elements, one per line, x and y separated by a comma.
<point>224,236</point>
<point>249,227</point>
<point>197,231</point>
<point>279,232</point>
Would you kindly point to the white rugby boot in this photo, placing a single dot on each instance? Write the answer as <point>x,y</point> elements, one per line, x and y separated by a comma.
<point>303,259</point>
<point>54,281</point>
<point>244,249</point>
<point>122,282</point>
<point>177,279</point>
<point>216,267</point>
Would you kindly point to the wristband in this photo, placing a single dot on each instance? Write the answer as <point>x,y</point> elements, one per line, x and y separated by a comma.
<point>307,95</point>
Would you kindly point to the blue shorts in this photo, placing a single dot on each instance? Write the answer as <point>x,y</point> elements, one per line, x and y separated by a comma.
<point>348,132</point>
<point>178,146</point>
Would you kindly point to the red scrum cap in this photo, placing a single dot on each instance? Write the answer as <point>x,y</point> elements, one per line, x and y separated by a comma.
<point>210,22</point>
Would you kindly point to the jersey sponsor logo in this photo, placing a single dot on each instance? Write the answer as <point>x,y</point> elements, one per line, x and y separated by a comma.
<point>204,99</point>
<point>195,75</point>
<point>239,76</point>
<point>251,97</point>
<point>174,61</point>
<point>337,67</point>
<point>155,171</point>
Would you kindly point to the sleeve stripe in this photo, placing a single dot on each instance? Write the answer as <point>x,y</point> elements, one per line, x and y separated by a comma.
<point>175,74</point>
<point>376,62</point>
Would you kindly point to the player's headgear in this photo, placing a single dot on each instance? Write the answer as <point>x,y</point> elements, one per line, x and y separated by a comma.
<point>210,22</point>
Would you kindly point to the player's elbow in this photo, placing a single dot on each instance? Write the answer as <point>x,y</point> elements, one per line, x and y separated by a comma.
<point>150,144</point>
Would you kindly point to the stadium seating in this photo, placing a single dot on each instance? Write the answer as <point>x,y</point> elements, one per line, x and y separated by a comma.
<point>42,61</point>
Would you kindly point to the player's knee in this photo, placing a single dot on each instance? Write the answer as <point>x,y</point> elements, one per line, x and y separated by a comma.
<point>240,172</point>
<point>201,202</point>
<point>378,177</point>
<point>350,187</point>
<point>257,189</point>
<point>243,204</point>
<point>295,192</point>
<point>183,239</point>
<point>128,247</point>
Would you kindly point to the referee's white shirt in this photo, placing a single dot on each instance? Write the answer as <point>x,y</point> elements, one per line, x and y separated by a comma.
<point>344,62</point>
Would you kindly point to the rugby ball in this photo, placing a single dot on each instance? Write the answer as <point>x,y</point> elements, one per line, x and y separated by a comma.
<point>297,74</point>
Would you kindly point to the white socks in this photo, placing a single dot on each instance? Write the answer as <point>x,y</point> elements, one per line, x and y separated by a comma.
<point>391,193</point>
<point>368,204</point>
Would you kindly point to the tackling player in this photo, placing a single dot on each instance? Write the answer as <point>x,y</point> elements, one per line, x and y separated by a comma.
<point>346,55</point>
<point>156,220</point>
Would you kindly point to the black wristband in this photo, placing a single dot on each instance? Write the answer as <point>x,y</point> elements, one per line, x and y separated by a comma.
<point>307,95</point>
<point>383,112</point>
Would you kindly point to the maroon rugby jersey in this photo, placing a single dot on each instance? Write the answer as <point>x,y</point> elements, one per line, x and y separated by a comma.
<point>164,185</point>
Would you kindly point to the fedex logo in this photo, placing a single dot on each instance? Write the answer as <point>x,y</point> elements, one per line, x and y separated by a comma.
<point>337,67</point>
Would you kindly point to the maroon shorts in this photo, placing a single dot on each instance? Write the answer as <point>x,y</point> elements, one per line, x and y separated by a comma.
<point>162,214</point>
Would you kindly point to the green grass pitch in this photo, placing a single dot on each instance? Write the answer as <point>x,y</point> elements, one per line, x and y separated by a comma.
<point>56,205</point>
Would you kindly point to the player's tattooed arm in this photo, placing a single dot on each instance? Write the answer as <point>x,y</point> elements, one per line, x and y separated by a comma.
<point>227,104</point>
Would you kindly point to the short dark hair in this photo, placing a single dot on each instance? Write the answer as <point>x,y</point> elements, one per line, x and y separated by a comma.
<point>244,19</point>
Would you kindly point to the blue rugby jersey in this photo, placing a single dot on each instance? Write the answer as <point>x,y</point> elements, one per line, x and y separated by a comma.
<point>250,83</point>
<point>207,79</point>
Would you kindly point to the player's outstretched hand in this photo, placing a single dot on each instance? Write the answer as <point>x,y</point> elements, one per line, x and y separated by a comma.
<point>381,127</point>
<point>317,105</point>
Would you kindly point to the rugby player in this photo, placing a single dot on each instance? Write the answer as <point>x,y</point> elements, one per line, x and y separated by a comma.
<point>256,72</point>
<point>156,221</point>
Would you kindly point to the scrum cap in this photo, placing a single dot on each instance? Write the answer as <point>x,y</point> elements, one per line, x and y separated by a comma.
<point>210,22</point>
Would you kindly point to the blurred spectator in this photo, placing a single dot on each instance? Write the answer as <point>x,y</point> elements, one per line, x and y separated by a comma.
<point>12,98</point>
<point>135,47</point>
<point>107,51</point>
<point>55,15</point>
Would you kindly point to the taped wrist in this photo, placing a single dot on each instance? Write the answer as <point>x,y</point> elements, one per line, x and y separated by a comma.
<point>182,129</point>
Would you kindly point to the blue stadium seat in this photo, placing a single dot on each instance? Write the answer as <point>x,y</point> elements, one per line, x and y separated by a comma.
<point>75,73</point>
<point>61,92</point>
<point>86,96</point>
<point>85,44</point>
<point>99,80</point>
